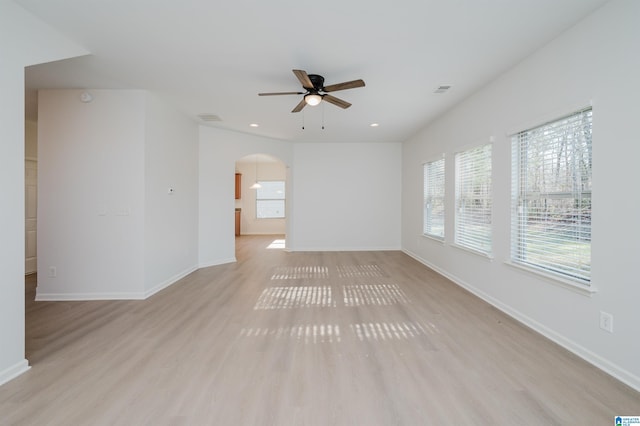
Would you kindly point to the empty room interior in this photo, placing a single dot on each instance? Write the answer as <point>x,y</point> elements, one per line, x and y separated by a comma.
<point>319,213</point>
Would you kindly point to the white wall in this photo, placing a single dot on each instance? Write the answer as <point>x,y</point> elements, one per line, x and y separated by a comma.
<point>171,220</point>
<point>24,40</point>
<point>91,195</point>
<point>596,61</point>
<point>347,196</point>
<point>218,152</point>
<point>250,224</point>
<point>107,221</point>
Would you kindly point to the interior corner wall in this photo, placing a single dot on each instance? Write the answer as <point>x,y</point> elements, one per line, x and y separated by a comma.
<point>171,195</point>
<point>347,196</point>
<point>91,195</point>
<point>24,41</point>
<point>218,152</point>
<point>595,62</point>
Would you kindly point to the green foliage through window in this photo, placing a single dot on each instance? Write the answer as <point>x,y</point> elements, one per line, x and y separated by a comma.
<point>474,200</point>
<point>551,197</point>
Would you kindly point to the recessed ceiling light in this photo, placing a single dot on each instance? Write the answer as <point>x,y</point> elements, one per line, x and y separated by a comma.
<point>254,125</point>
<point>373,125</point>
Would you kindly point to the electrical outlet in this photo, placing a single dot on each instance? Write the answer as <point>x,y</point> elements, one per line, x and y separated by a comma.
<point>606,321</point>
<point>52,272</point>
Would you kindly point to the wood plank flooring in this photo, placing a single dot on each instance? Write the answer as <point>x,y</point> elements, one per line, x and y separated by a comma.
<point>349,338</point>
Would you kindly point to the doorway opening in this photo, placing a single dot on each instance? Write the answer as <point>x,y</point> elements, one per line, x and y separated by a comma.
<point>261,197</point>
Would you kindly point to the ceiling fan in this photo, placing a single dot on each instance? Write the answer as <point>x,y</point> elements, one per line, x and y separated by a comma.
<point>316,91</point>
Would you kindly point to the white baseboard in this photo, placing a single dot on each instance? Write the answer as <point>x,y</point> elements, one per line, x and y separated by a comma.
<point>169,281</point>
<point>60,297</point>
<point>14,371</point>
<point>307,249</point>
<point>72,297</point>
<point>603,364</point>
<point>217,262</point>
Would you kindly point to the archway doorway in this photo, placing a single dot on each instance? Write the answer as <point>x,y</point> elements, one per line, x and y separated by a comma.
<point>261,198</point>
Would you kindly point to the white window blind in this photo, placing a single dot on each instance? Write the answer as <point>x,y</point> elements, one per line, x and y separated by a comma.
<point>434,199</point>
<point>474,199</point>
<point>270,200</point>
<point>551,197</point>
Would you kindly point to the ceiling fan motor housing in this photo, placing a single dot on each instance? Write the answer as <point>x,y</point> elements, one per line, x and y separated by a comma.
<point>317,81</point>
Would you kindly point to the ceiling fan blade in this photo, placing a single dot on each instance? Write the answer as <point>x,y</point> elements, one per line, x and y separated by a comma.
<point>336,101</point>
<point>343,86</point>
<point>304,79</point>
<point>299,107</point>
<point>280,93</point>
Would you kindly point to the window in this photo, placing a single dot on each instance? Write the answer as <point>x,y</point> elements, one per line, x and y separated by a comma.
<point>434,199</point>
<point>270,200</point>
<point>551,197</point>
<point>473,199</point>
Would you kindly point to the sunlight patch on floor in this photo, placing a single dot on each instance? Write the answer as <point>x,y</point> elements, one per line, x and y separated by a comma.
<point>295,297</point>
<point>300,272</point>
<point>305,333</point>
<point>352,271</point>
<point>373,295</point>
<point>277,244</point>
<point>330,333</point>
<point>391,331</point>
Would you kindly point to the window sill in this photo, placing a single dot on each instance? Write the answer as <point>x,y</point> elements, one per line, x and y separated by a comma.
<point>433,238</point>
<point>556,280</point>
<point>470,250</point>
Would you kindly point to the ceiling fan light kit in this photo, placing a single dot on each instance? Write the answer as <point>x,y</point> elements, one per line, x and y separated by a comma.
<point>313,99</point>
<point>316,91</point>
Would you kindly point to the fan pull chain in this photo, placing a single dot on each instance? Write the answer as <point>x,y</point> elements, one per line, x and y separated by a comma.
<point>303,120</point>
<point>322,115</point>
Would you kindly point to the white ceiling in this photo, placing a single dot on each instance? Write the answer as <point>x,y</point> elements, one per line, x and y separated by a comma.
<point>208,56</point>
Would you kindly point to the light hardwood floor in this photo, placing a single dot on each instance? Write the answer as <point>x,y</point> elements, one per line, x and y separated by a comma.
<point>350,338</point>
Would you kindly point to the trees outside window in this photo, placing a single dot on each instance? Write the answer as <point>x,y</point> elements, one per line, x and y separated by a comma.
<point>433,225</point>
<point>551,197</point>
<point>474,199</point>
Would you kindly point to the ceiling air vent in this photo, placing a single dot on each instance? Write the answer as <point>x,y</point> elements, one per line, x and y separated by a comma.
<point>209,117</point>
<point>442,89</point>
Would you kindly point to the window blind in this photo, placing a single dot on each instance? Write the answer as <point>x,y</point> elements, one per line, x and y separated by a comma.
<point>474,199</point>
<point>270,200</point>
<point>551,197</point>
<point>434,199</point>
